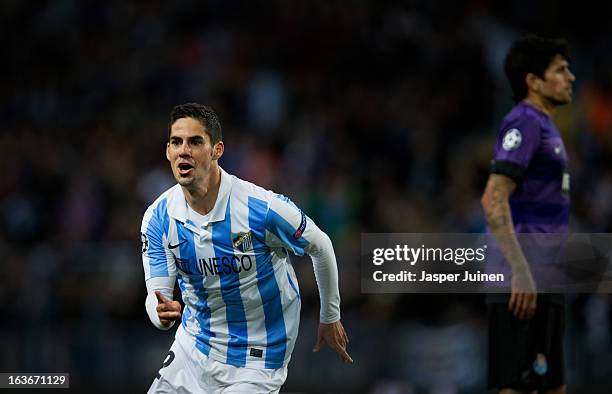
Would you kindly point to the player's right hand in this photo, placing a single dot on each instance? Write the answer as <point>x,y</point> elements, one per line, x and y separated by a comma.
<point>524,296</point>
<point>167,311</point>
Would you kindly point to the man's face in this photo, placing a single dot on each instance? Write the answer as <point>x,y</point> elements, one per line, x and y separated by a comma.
<point>190,152</point>
<point>556,86</point>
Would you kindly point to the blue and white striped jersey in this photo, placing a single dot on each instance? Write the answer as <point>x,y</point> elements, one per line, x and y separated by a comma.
<point>241,295</point>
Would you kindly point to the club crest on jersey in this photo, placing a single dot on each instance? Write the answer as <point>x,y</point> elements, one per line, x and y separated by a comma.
<point>512,139</point>
<point>242,241</point>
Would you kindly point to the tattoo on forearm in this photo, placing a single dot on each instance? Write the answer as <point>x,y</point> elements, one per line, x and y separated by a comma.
<point>499,218</point>
<point>498,210</point>
<point>498,221</point>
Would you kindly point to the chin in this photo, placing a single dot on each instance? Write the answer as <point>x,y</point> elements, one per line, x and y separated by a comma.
<point>183,181</point>
<point>561,101</point>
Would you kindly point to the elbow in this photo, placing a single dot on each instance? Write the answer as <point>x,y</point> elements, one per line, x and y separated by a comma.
<point>320,246</point>
<point>326,240</point>
<point>326,244</point>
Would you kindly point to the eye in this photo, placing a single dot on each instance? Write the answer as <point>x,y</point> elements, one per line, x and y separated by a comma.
<point>563,68</point>
<point>175,142</point>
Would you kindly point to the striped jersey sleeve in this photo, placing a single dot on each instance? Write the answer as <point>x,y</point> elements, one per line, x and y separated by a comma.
<point>287,226</point>
<point>157,260</point>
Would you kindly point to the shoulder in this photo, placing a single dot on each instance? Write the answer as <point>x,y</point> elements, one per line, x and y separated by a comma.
<point>522,125</point>
<point>248,191</point>
<point>522,115</point>
<point>159,207</point>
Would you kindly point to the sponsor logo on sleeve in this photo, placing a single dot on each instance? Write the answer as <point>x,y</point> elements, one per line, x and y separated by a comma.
<point>512,139</point>
<point>298,233</point>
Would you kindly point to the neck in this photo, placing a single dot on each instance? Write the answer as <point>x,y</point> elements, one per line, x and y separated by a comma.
<point>541,103</point>
<point>202,198</point>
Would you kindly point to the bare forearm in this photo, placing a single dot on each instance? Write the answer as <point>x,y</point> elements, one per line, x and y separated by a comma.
<point>499,217</point>
<point>503,232</point>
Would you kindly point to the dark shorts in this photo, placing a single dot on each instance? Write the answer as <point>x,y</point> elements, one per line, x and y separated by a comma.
<point>526,355</point>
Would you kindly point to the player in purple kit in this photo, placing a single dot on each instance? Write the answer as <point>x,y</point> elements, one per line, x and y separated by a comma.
<point>528,192</point>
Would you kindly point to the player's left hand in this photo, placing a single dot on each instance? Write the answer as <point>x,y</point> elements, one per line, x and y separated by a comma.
<point>523,301</point>
<point>335,337</point>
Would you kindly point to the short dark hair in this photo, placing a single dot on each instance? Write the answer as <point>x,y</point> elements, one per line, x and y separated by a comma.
<point>202,113</point>
<point>531,54</point>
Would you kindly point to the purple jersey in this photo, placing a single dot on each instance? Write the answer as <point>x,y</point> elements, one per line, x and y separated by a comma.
<point>530,150</point>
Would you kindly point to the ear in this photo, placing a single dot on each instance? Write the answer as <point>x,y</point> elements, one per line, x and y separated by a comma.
<point>218,150</point>
<point>533,82</point>
<point>168,151</point>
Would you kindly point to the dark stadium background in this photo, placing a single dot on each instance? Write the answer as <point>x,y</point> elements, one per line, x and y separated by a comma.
<point>373,116</point>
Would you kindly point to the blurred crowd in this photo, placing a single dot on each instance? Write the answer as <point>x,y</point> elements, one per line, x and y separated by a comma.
<point>371,116</point>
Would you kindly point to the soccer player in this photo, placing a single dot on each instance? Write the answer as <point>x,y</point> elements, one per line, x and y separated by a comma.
<point>227,242</point>
<point>527,192</point>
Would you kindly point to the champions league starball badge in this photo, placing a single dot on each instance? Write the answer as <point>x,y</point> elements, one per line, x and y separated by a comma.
<point>512,139</point>
<point>145,242</point>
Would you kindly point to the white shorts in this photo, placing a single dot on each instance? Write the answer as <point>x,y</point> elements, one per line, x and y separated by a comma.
<point>192,372</point>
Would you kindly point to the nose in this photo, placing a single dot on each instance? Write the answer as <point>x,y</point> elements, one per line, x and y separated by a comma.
<point>571,76</point>
<point>184,149</point>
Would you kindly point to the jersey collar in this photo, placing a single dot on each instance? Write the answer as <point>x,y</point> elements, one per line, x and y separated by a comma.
<point>177,204</point>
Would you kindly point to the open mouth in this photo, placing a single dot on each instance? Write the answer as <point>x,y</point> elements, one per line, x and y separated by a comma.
<point>184,168</point>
